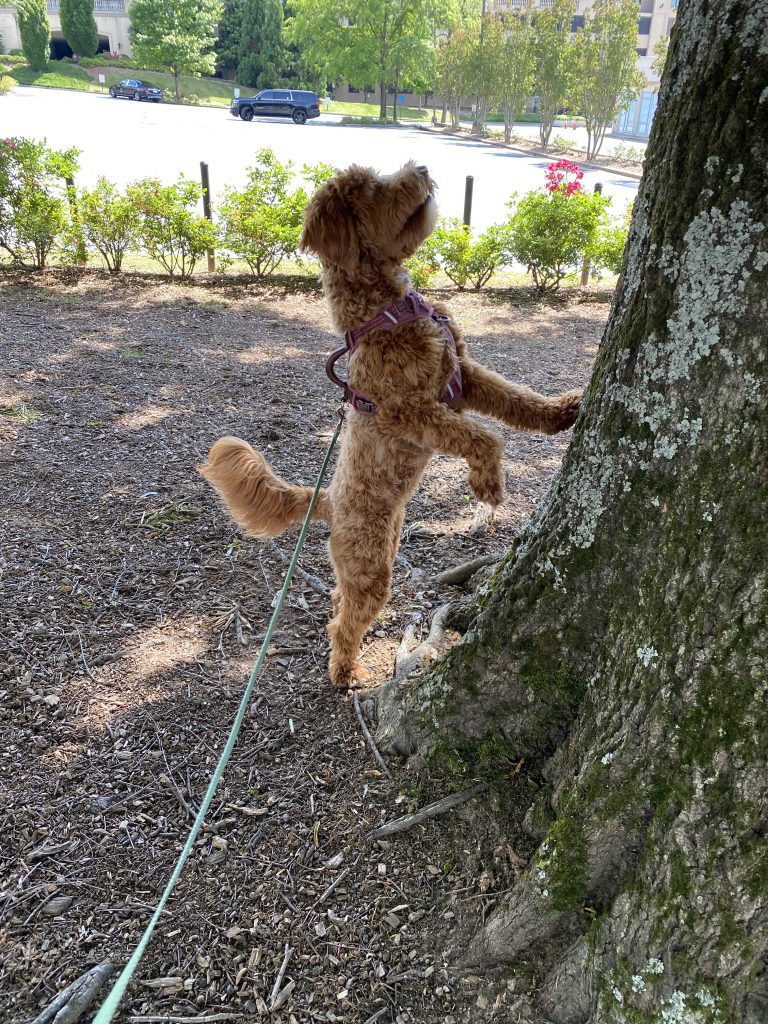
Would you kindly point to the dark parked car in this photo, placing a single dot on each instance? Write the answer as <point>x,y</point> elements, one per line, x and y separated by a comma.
<point>135,90</point>
<point>294,103</point>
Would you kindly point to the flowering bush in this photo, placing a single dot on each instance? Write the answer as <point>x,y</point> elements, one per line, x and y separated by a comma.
<point>552,232</point>
<point>34,207</point>
<point>563,176</point>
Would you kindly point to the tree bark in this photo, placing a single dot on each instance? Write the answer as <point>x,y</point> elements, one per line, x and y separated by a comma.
<point>620,647</point>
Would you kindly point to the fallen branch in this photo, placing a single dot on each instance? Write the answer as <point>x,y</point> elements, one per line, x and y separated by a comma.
<point>369,740</point>
<point>71,1004</point>
<point>313,581</point>
<point>406,661</point>
<point>430,811</point>
<point>461,573</point>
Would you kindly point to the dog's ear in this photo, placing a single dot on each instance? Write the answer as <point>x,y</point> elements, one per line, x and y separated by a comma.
<point>329,228</point>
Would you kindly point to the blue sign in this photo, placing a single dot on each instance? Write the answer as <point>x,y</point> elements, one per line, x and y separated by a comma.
<point>401,99</point>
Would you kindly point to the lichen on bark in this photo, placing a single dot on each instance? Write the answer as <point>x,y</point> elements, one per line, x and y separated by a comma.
<point>621,646</point>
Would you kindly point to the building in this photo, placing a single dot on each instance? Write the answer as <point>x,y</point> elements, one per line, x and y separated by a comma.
<point>112,24</point>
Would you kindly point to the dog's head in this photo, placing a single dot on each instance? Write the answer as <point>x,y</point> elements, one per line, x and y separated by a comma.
<point>361,216</point>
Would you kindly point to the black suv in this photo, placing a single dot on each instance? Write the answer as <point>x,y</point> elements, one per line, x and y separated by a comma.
<point>277,103</point>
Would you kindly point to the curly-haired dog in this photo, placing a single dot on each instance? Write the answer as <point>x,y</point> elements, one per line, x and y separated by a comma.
<point>407,396</point>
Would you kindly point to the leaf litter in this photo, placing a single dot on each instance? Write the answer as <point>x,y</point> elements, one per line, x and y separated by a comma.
<point>132,614</point>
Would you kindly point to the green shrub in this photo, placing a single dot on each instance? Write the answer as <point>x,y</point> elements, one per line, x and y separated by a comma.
<point>366,120</point>
<point>6,84</point>
<point>34,207</point>
<point>108,222</point>
<point>424,264</point>
<point>13,58</point>
<point>552,232</point>
<point>261,224</point>
<point>466,261</point>
<point>608,250</point>
<point>35,32</point>
<point>168,226</point>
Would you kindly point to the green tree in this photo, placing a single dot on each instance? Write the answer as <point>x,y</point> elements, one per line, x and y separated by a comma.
<point>79,26</point>
<point>517,65</point>
<point>660,51</point>
<point>554,62</point>
<point>227,46</point>
<point>619,650</point>
<point>35,32</point>
<point>605,75</point>
<point>175,34</point>
<point>455,70</point>
<point>262,54</point>
<point>360,40</point>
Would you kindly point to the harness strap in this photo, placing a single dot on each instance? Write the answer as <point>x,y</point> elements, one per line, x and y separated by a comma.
<point>403,311</point>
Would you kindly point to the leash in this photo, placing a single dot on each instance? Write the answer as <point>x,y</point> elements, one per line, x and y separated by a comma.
<point>111,1003</point>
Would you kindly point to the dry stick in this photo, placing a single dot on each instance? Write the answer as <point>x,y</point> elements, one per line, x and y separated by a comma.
<point>377,1016</point>
<point>461,573</point>
<point>279,978</point>
<point>430,811</point>
<point>369,740</point>
<point>313,581</point>
<point>71,1004</point>
<point>339,878</point>
<point>427,647</point>
<point>209,1018</point>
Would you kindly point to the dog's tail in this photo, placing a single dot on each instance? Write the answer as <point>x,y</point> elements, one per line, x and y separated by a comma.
<point>257,499</point>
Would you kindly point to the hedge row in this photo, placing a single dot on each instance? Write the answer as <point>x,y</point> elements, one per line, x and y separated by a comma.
<point>44,217</point>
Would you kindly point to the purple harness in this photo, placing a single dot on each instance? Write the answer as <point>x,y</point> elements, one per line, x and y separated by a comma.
<point>403,311</point>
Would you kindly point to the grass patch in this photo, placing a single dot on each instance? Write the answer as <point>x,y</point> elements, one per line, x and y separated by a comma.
<point>20,412</point>
<point>373,110</point>
<point>56,76</point>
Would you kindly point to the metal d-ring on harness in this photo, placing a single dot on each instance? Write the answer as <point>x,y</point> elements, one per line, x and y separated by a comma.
<point>404,311</point>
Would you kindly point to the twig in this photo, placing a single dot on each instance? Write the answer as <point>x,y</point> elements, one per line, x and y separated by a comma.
<point>342,875</point>
<point>461,573</point>
<point>71,1004</point>
<point>279,978</point>
<point>430,811</point>
<point>427,649</point>
<point>369,740</point>
<point>208,1018</point>
<point>313,581</point>
<point>412,571</point>
<point>377,1016</point>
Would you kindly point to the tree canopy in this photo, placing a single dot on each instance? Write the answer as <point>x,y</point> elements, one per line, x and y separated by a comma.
<point>79,26</point>
<point>175,34</point>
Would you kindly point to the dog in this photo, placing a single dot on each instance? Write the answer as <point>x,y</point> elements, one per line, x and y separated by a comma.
<point>410,382</point>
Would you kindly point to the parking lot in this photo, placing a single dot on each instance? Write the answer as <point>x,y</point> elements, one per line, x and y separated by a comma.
<point>124,141</point>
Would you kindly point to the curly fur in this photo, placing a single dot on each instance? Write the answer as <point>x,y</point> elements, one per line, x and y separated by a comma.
<point>362,225</point>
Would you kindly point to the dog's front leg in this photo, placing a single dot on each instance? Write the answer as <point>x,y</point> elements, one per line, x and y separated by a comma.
<point>491,394</point>
<point>434,427</point>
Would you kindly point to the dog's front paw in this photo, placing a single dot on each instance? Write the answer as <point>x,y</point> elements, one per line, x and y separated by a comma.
<point>563,412</point>
<point>487,483</point>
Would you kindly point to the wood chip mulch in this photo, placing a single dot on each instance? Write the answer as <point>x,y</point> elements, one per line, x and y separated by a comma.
<point>131,617</point>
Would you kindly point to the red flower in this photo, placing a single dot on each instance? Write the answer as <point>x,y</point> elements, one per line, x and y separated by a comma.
<point>558,177</point>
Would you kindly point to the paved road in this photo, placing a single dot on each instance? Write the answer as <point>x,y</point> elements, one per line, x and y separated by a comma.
<point>124,140</point>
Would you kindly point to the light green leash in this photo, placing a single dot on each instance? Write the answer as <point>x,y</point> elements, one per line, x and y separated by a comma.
<point>110,1005</point>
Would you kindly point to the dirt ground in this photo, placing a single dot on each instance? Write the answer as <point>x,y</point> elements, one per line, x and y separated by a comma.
<point>131,617</point>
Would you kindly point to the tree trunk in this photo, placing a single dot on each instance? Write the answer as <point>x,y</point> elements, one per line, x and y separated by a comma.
<point>621,646</point>
<point>383,103</point>
<point>176,82</point>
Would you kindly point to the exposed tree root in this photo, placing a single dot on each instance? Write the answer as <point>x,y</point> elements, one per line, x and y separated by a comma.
<point>461,573</point>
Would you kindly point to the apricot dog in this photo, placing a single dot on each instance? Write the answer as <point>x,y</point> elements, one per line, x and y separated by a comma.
<point>407,401</point>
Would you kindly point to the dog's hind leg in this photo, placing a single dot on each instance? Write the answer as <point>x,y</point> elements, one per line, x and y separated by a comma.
<point>491,394</point>
<point>363,566</point>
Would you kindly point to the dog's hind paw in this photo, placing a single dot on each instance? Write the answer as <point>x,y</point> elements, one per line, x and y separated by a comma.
<point>348,677</point>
